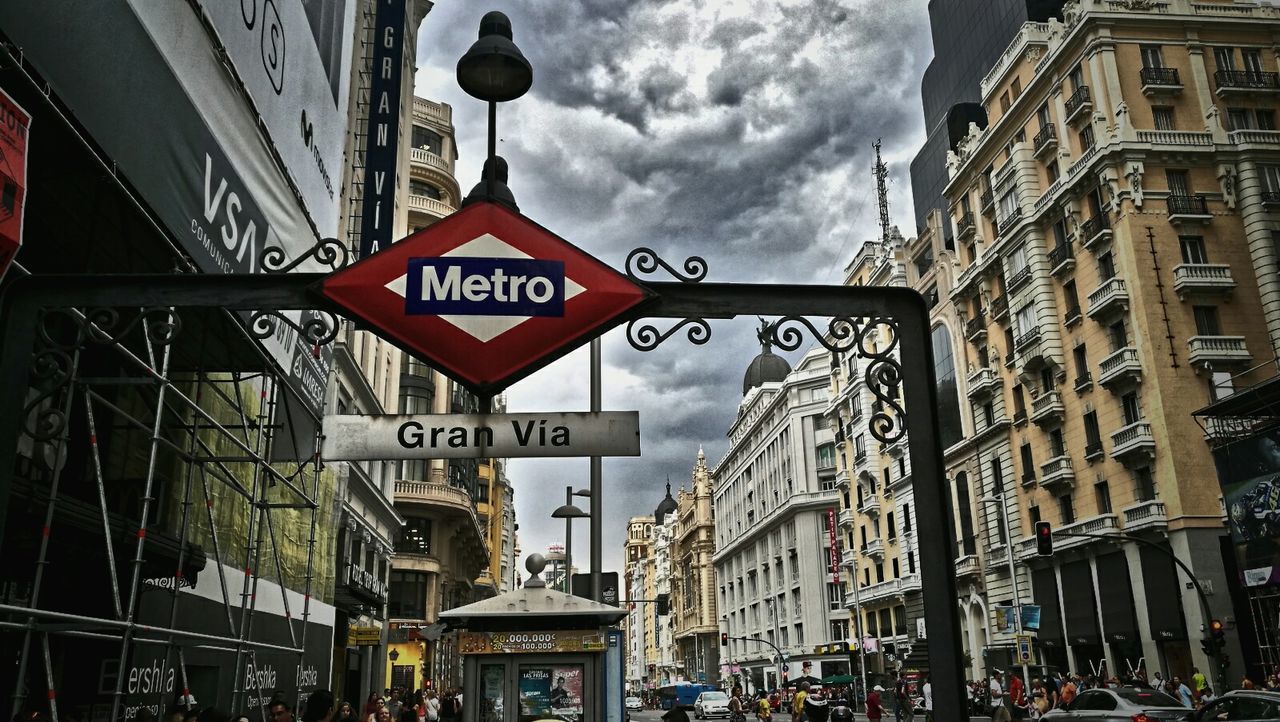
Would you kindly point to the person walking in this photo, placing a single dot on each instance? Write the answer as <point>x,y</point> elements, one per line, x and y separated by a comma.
<point>927,690</point>
<point>1183,693</point>
<point>902,707</point>
<point>737,712</point>
<point>875,710</point>
<point>797,703</point>
<point>764,712</point>
<point>999,709</point>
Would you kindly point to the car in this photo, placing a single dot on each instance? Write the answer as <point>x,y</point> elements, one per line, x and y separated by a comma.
<point>633,703</point>
<point>1241,704</point>
<point>1136,703</point>
<point>711,704</point>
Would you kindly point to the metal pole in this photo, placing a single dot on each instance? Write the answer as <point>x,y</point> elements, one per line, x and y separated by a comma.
<point>1013,578</point>
<point>491,164</point>
<point>857,616</point>
<point>568,541</point>
<point>597,500</point>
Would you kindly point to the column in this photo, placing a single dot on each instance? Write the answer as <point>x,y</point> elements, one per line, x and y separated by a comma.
<point>1200,76</point>
<point>1264,249</point>
<point>1062,616</point>
<point>1102,625</point>
<point>1150,652</point>
<point>1111,74</point>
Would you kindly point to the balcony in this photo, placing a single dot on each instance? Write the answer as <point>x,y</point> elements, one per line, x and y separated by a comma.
<point>1078,103</point>
<point>967,566</point>
<point>1133,440</point>
<point>983,382</point>
<point>1188,209</point>
<point>1072,316</point>
<point>1108,297</point>
<point>845,518</point>
<point>1009,221</point>
<point>874,549</point>
<point>1238,82</point>
<point>1020,418</point>
<point>870,506</point>
<point>1083,382</point>
<point>1214,351</point>
<point>1095,230</point>
<point>426,204</point>
<point>1160,80</point>
<point>1145,515</point>
<point>965,226</point>
<point>1046,139</point>
<point>422,156</point>
<point>1027,340</point>
<point>1047,407</point>
<point>1061,258</point>
<point>1057,472</point>
<point>1000,307</point>
<point>988,201</point>
<point>1270,198</point>
<point>876,592</point>
<point>1121,366</point>
<point>849,558</point>
<point>1019,278</point>
<point>1202,277</point>
<point>842,478</point>
<point>975,328</point>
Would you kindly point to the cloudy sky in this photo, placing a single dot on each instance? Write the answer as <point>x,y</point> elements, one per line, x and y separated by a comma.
<point>737,130</point>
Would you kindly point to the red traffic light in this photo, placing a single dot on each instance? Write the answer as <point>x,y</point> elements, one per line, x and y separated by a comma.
<point>1044,539</point>
<point>1216,625</point>
<point>724,639</point>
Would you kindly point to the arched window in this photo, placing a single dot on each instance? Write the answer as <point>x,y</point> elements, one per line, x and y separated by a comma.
<point>944,373</point>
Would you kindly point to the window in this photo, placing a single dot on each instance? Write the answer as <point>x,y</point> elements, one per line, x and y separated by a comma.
<point>1086,138</point>
<point>1047,383</point>
<point>1066,509</point>
<point>840,629</point>
<point>1077,78</point>
<point>906,518</point>
<point>1193,249</point>
<point>1019,404</point>
<point>1043,117</point>
<point>879,572</point>
<point>1239,119</point>
<point>415,536</point>
<point>967,541</point>
<point>911,562</point>
<point>1220,385</point>
<point>1152,57</point>
<point>1056,443</point>
<point>1027,321</point>
<point>1132,414</point>
<point>1119,335</point>
<point>1028,463</point>
<point>893,529</point>
<point>997,520</point>
<point>420,188</point>
<point>1072,296</point>
<point>944,374</point>
<point>1081,356</point>
<point>1102,493</point>
<point>428,140</point>
<point>1207,320</point>
<point>1015,88</point>
<point>1008,204</point>
<point>997,477</point>
<point>826,455</point>
<point>1252,59</point>
<point>1033,513</point>
<point>1225,58</point>
<point>1144,484</point>
<point>866,581</point>
<point>860,445</point>
<point>835,599</point>
<point>1162,116</point>
<point>1092,434</point>
<point>1179,182</point>
<point>1004,102</point>
<point>1271,177</point>
<point>863,530</point>
<point>407,595</point>
<point>894,568</point>
<point>989,414</point>
<point>1106,266</point>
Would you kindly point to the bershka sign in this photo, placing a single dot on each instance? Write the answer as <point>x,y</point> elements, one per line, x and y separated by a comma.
<point>485,295</point>
<point>477,436</point>
<point>15,123</point>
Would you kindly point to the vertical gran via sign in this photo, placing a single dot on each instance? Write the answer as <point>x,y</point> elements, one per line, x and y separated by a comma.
<point>382,133</point>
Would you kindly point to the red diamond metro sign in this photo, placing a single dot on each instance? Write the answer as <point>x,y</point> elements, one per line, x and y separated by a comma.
<point>485,295</point>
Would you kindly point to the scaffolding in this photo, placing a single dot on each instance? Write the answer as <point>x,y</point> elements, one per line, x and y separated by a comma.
<point>127,418</point>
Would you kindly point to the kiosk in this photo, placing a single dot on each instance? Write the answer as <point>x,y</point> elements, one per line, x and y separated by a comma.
<point>539,654</point>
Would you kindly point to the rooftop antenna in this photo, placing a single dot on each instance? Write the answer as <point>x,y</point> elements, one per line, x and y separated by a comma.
<point>881,172</point>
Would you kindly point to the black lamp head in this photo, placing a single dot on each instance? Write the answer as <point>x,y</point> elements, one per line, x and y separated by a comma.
<point>495,167</point>
<point>494,69</point>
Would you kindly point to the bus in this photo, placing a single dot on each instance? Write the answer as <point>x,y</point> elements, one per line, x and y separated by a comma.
<point>681,694</point>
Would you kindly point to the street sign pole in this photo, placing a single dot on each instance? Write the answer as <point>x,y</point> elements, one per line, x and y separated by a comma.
<point>597,496</point>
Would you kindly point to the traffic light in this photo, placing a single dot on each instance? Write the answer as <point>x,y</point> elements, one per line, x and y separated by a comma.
<point>1044,539</point>
<point>1206,645</point>
<point>1218,633</point>
<point>724,639</point>
<point>661,604</point>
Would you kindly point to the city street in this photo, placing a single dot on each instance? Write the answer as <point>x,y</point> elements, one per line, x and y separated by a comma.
<point>656,716</point>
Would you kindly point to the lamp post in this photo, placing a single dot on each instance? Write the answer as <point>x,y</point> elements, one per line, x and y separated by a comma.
<point>1013,572</point>
<point>568,512</point>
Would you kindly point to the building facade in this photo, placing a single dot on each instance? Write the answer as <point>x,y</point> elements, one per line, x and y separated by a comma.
<point>775,496</point>
<point>692,578</point>
<point>637,573</point>
<point>1118,271</point>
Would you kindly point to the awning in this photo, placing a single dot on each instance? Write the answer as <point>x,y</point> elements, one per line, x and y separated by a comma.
<point>1161,583</point>
<point>1118,619</point>
<point>1081,608</point>
<point>1045,591</point>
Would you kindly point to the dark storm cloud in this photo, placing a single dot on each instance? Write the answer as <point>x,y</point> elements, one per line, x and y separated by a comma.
<point>738,131</point>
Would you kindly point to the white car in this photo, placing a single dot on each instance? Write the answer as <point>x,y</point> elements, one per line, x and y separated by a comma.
<point>633,703</point>
<point>711,704</point>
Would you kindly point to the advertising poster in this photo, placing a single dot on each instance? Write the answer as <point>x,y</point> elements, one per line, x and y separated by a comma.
<point>492,677</point>
<point>551,691</point>
<point>15,123</point>
<point>1249,471</point>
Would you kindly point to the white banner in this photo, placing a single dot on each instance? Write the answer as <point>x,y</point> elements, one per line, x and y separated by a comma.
<point>294,59</point>
<point>481,436</point>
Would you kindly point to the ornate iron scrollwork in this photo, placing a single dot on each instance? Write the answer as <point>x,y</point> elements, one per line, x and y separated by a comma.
<point>841,336</point>
<point>42,420</point>
<point>646,260</point>
<point>884,377</point>
<point>644,336</point>
<point>319,328</point>
<point>328,252</point>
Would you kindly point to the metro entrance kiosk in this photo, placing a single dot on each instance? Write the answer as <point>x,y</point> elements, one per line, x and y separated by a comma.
<point>536,653</point>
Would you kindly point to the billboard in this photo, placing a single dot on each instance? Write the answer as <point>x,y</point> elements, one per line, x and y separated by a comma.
<point>1249,472</point>
<point>15,124</point>
<point>179,124</point>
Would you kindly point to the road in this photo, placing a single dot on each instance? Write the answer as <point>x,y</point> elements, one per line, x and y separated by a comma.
<point>656,716</point>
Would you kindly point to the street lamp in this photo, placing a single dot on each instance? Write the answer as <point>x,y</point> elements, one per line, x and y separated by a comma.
<point>495,71</point>
<point>1013,573</point>
<point>568,512</point>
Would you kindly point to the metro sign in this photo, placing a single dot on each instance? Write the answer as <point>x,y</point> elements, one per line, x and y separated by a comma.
<point>485,295</point>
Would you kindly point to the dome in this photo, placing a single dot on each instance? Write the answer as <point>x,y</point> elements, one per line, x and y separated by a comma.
<point>768,367</point>
<point>666,506</point>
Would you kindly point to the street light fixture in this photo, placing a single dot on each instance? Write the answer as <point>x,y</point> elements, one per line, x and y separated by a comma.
<point>1013,573</point>
<point>568,512</point>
